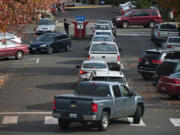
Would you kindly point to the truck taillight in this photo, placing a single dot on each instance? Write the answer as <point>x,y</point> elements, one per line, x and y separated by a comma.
<point>118,58</point>
<point>54,104</point>
<point>94,107</point>
<point>88,57</point>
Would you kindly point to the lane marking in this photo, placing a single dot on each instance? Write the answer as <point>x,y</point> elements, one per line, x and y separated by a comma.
<point>50,120</point>
<point>175,122</point>
<point>141,124</point>
<point>122,66</point>
<point>37,61</point>
<point>133,34</point>
<point>25,113</point>
<point>9,120</point>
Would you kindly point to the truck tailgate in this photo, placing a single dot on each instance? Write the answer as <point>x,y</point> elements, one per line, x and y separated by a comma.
<point>166,34</point>
<point>108,57</point>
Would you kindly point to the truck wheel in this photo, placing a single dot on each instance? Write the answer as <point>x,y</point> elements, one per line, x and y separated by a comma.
<point>137,116</point>
<point>19,55</point>
<point>64,124</point>
<point>104,122</point>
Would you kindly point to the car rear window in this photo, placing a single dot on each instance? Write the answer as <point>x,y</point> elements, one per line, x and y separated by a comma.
<point>174,40</point>
<point>102,27</point>
<point>168,27</point>
<point>173,55</point>
<point>45,22</point>
<point>103,33</point>
<point>154,13</point>
<point>109,79</point>
<point>104,48</point>
<point>92,90</point>
<point>94,65</point>
<point>153,55</point>
<point>102,39</point>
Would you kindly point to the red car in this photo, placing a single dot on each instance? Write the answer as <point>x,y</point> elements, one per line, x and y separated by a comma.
<point>12,48</point>
<point>170,85</point>
<point>144,17</point>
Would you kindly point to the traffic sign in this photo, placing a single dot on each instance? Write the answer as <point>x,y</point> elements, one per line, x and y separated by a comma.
<point>80,18</point>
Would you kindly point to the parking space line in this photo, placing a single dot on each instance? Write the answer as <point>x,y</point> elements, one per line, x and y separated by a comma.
<point>37,61</point>
<point>9,120</point>
<point>50,120</point>
<point>175,121</point>
<point>141,124</point>
<point>122,66</point>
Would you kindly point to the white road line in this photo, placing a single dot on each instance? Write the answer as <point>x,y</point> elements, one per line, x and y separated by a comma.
<point>25,113</point>
<point>50,120</point>
<point>141,124</point>
<point>133,34</point>
<point>37,61</point>
<point>175,121</point>
<point>9,120</point>
<point>122,66</point>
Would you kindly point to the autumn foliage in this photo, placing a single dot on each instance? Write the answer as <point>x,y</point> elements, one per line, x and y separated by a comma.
<point>15,13</point>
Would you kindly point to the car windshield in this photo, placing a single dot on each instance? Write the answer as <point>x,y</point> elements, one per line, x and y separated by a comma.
<point>92,90</point>
<point>106,22</point>
<point>46,38</point>
<point>174,40</point>
<point>102,39</point>
<point>103,33</point>
<point>104,48</point>
<point>176,75</point>
<point>102,27</point>
<point>94,65</point>
<point>109,79</point>
<point>45,22</point>
<point>128,13</point>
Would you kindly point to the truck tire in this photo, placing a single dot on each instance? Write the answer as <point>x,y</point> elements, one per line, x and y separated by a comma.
<point>104,122</point>
<point>63,124</point>
<point>137,115</point>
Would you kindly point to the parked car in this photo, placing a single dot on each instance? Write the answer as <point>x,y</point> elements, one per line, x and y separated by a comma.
<point>45,25</point>
<point>108,52</point>
<point>9,36</point>
<point>152,58</point>
<point>129,3</point>
<point>110,23</point>
<point>98,102</point>
<point>101,39</point>
<point>162,31</point>
<point>12,48</point>
<point>101,27</point>
<point>172,43</point>
<point>110,76</point>
<point>51,42</point>
<point>166,68</point>
<point>89,66</point>
<point>144,17</point>
<point>170,85</point>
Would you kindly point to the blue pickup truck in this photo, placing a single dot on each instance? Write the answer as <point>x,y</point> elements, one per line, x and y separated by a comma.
<point>98,102</point>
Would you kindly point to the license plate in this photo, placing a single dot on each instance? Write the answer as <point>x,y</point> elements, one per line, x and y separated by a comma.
<point>72,115</point>
<point>33,48</point>
<point>146,62</point>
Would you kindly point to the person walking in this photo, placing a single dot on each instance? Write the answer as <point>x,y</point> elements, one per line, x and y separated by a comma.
<point>66,26</point>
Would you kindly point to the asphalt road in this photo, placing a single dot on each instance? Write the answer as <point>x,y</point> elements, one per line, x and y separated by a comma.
<point>30,84</point>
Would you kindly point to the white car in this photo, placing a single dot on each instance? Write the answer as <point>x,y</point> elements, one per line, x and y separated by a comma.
<point>89,66</point>
<point>110,23</point>
<point>45,25</point>
<point>101,27</point>
<point>104,32</point>
<point>101,38</point>
<point>108,52</point>
<point>11,37</point>
<point>110,76</point>
<point>172,43</point>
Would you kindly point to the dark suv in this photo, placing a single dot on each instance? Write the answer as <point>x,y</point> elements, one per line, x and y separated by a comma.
<point>51,42</point>
<point>144,17</point>
<point>151,59</point>
<point>166,68</point>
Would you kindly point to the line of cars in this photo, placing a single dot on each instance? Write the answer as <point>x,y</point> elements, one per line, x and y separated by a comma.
<point>102,92</point>
<point>163,65</point>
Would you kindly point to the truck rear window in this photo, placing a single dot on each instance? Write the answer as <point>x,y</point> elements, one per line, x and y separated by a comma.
<point>109,79</point>
<point>174,40</point>
<point>168,27</point>
<point>104,48</point>
<point>153,55</point>
<point>92,90</point>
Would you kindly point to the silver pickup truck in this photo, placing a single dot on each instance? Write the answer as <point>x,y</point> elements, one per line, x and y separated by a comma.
<point>98,102</point>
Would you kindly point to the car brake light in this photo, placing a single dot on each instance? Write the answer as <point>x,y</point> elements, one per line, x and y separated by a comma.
<point>82,72</point>
<point>175,81</point>
<point>169,46</point>
<point>118,57</point>
<point>94,107</point>
<point>140,59</point>
<point>54,104</point>
<point>156,61</point>
<point>88,57</point>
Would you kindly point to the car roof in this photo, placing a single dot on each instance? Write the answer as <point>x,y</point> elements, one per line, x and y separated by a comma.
<point>94,61</point>
<point>102,36</point>
<point>172,60</point>
<point>103,31</point>
<point>112,43</point>
<point>100,83</point>
<point>109,74</point>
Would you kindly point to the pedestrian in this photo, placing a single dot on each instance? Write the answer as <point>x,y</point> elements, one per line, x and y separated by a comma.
<point>66,26</point>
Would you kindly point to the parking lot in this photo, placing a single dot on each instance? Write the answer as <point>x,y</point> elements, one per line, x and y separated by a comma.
<point>29,85</point>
